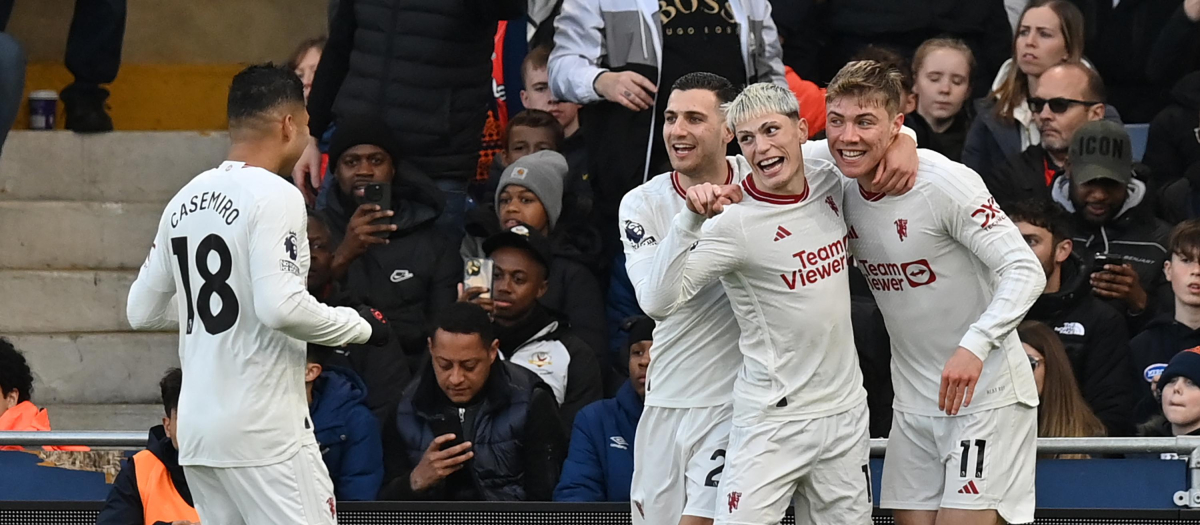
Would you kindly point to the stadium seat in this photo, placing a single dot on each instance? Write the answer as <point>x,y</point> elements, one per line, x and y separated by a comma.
<point>1138,133</point>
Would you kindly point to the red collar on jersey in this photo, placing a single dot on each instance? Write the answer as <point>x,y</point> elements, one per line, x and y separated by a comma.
<point>679,187</point>
<point>870,196</point>
<point>772,198</point>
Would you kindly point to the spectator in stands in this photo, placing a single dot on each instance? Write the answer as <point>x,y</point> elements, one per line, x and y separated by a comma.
<point>385,369</point>
<point>942,70</point>
<point>536,95</point>
<point>1050,33</point>
<point>1168,335</point>
<point>394,260</point>
<point>1122,41</point>
<point>1066,97</point>
<point>530,193</point>
<point>305,59</point>
<point>1113,216</point>
<point>151,487</point>
<point>530,335</point>
<point>93,58</point>
<point>528,132</point>
<point>345,428</point>
<point>17,412</point>
<point>1094,337</point>
<point>473,427</point>
<point>1062,411</point>
<point>433,90</point>
<point>1179,401</point>
<point>1173,152</point>
<point>889,57</point>
<point>604,58</point>
<point>12,83</point>
<point>599,465</point>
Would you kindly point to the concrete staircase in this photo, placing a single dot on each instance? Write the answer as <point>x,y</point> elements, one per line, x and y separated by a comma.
<point>77,216</point>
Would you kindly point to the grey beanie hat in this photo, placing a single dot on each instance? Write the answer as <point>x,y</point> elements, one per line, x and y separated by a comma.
<point>543,173</point>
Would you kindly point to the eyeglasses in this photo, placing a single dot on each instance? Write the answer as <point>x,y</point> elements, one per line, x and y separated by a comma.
<point>1034,362</point>
<point>1057,104</point>
<point>1196,132</point>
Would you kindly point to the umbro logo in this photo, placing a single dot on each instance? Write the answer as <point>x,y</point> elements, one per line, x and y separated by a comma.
<point>969,488</point>
<point>782,233</point>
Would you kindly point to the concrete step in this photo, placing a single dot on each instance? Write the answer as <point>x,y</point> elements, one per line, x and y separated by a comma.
<point>126,166</point>
<point>36,301</point>
<point>98,368</point>
<point>104,417</point>
<point>76,235</point>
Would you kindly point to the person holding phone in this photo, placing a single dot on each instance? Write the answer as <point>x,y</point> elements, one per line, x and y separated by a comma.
<point>472,427</point>
<point>389,253</point>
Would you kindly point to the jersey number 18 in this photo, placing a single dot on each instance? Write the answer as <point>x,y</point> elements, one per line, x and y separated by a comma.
<point>215,282</point>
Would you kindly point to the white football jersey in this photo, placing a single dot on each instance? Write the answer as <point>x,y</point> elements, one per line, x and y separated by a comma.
<point>782,260</point>
<point>233,245</point>
<point>948,269</point>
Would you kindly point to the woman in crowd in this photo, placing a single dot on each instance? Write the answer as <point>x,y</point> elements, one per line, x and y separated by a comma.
<point>305,59</point>
<point>1062,412</point>
<point>1050,32</point>
<point>942,69</point>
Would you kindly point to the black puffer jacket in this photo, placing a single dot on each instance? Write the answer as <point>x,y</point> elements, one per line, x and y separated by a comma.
<point>1171,146</point>
<point>424,65</point>
<point>417,273</point>
<point>1097,343</point>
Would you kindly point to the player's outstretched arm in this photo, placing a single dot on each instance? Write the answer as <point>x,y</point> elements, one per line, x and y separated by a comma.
<point>149,303</point>
<point>278,249</point>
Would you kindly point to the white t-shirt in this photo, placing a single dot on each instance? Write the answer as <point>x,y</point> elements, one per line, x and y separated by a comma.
<point>234,243</point>
<point>948,269</point>
<point>783,263</point>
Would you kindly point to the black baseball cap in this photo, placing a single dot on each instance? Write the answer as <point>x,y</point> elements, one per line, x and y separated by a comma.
<point>523,237</point>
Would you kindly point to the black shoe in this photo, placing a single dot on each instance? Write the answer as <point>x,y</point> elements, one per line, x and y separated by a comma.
<point>85,109</point>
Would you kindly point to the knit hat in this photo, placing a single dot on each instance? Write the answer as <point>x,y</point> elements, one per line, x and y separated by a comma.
<point>362,129</point>
<point>542,173</point>
<point>1101,150</point>
<point>1184,364</point>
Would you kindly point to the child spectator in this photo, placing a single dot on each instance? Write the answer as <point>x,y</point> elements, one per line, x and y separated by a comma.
<point>528,132</point>
<point>304,61</point>
<point>1062,411</point>
<point>151,487</point>
<point>1180,397</point>
<point>537,95</point>
<point>942,69</point>
<point>1168,335</point>
<point>599,465</point>
<point>349,436</point>
<point>17,412</point>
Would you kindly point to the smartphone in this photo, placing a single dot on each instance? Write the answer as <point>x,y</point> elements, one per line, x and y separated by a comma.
<point>379,193</point>
<point>1102,259</point>
<point>442,426</point>
<point>477,272</point>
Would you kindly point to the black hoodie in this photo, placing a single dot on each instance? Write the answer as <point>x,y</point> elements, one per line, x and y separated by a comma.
<point>417,273</point>
<point>1151,350</point>
<point>1097,344</point>
<point>124,503</point>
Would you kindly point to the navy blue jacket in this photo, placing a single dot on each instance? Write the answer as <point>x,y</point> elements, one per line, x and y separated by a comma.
<point>599,466</point>
<point>124,503</point>
<point>348,434</point>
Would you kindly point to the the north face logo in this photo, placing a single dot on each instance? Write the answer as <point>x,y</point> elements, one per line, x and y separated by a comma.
<point>1071,329</point>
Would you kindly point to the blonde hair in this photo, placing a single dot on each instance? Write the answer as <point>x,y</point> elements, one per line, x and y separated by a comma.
<point>760,99</point>
<point>1016,85</point>
<point>869,80</point>
<point>934,44</point>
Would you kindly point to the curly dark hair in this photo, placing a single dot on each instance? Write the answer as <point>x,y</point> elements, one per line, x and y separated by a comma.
<point>14,372</point>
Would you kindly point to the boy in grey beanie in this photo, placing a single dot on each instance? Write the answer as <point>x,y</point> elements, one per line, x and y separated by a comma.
<point>542,173</point>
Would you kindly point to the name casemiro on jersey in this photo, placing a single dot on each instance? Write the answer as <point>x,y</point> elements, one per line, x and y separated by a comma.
<point>211,201</point>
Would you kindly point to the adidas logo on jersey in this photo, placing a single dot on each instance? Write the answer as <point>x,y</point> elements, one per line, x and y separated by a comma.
<point>969,488</point>
<point>782,233</point>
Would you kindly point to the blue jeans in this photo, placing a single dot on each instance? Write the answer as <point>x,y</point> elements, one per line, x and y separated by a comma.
<point>12,83</point>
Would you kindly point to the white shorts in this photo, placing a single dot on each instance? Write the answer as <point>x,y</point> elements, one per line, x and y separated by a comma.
<point>820,464</point>
<point>979,461</point>
<point>296,491</point>
<point>678,456</point>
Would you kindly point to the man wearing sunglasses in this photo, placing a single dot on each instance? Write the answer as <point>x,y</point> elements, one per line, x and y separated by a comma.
<point>1066,97</point>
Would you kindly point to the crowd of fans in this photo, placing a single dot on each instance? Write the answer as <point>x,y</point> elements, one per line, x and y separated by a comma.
<point>531,388</point>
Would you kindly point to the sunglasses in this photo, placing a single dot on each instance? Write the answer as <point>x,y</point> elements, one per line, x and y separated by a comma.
<point>1057,104</point>
<point>1034,362</point>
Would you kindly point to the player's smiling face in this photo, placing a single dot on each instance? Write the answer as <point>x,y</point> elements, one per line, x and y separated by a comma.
<point>694,130</point>
<point>859,131</point>
<point>771,144</point>
<point>362,165</point>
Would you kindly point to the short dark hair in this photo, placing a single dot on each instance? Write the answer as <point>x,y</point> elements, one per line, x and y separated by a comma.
<point>535,118</point>
<point>1185,239</point>
<point>261,88</point>
<point>1041,213</point>
<point>170,385</point>
<point>466,319</point>
<point>318,354</point>
<point>719,85</point>
<point>14,372</point>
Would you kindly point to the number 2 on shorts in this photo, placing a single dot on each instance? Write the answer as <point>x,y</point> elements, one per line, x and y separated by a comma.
<point>711,480</point>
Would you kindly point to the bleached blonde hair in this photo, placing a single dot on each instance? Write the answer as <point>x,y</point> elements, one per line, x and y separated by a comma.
<point>869,81</point>
<point>760,99</point>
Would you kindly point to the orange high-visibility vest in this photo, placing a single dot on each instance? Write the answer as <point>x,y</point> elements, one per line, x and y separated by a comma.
<point>160,500</point>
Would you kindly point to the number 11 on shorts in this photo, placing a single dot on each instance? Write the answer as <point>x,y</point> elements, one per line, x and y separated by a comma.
<point>964,463</point>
